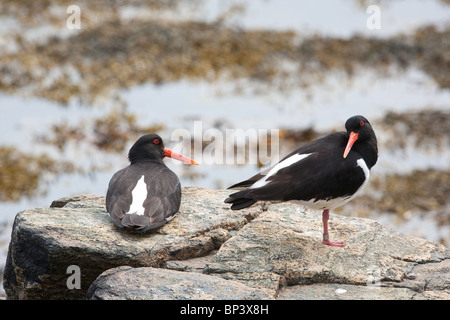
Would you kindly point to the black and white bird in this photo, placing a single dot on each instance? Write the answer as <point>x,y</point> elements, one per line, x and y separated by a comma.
<point>323,174</point>
<point>146,194</point>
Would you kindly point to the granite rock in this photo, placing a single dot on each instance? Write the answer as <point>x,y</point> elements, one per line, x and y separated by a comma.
<point>149,283</point>
<point>267,253</point>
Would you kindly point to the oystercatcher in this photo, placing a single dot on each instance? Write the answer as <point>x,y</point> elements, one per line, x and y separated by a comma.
<point>146,194</point>
<point>323,174</point>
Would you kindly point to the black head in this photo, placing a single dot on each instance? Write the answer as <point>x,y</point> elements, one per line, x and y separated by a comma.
<point>151,147</point>
<point>361,126</point>
<point>361,138</point>
<point>147,147</point>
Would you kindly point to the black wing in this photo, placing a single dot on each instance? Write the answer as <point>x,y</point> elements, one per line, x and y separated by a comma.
<point>310,178</point>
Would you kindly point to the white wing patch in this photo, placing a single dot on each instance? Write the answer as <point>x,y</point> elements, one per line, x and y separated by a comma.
<point>283,164</point>
<point>139,194</point>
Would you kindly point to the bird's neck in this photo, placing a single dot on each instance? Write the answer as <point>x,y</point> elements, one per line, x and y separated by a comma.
<point>369,151</point>
<point>138,160</point>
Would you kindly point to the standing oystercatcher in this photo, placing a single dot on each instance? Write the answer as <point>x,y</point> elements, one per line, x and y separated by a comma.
<point>323,174</point>
<point>145,194</point>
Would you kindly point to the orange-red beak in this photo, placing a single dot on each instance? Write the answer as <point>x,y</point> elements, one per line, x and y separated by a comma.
<point>169,153</point>
<point>351,140</point>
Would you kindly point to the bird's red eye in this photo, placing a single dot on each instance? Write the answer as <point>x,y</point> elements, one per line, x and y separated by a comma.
<point>156,141</point>
<point>361,123</point>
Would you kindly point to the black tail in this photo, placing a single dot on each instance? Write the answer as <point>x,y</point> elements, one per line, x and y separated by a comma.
<point>239,200</point>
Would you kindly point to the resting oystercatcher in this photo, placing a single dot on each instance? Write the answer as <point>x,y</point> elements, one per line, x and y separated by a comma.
<point>323,174</point>
<point>146,194</point>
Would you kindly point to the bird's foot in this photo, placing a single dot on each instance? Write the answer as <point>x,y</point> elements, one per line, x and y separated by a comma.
<point>326,240</point>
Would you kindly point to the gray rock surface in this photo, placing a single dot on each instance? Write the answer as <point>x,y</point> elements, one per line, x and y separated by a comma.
<point>262,254</point>
<point>285,242</point>
<point>162,284</point>
<point>78,231</point>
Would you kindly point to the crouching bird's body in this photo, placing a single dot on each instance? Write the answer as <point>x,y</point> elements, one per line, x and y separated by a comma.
<point>146,194</point>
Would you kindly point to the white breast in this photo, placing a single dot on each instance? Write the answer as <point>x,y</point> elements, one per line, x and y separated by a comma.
<point>139,194</point>
<point>283,164</point>
<point>362,164</point>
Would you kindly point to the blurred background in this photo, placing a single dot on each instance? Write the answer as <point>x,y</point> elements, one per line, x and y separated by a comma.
<point>73,100</point>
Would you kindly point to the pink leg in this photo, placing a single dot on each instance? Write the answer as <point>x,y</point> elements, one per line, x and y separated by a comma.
<point>326,238</point>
